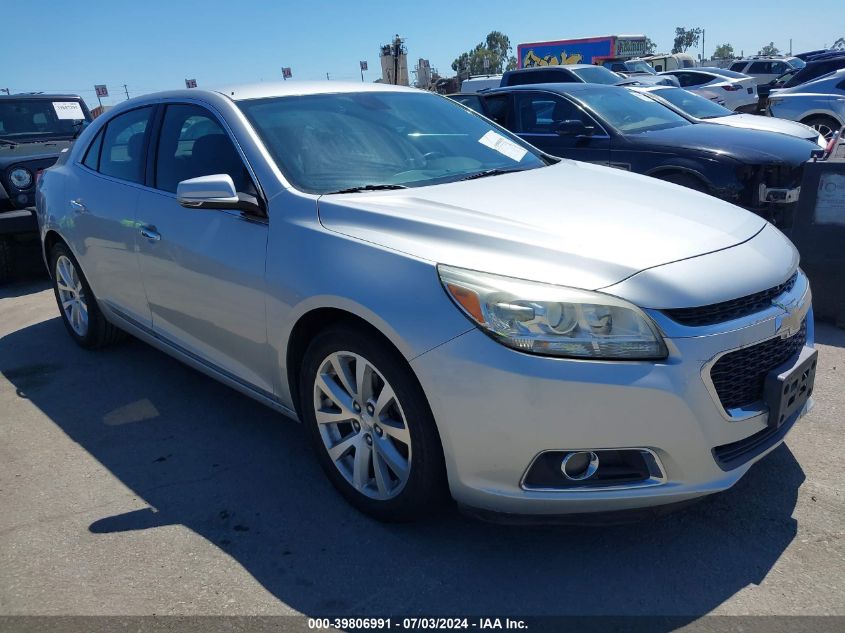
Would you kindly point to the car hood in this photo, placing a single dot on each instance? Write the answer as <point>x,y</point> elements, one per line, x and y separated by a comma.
<point>770,124</point>
<point>31,151</point>
<point>748,146</point>
<point>572,223</point>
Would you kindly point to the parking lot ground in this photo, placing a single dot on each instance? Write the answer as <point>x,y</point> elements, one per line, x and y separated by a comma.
<point>131,484</point>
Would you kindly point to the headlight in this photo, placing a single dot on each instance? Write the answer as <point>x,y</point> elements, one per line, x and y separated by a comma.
<point>20,177</point>
<point>553,320</point>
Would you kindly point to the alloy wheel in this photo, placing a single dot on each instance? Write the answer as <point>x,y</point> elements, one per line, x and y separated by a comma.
<point>362,425</point>
<point>72,295</point>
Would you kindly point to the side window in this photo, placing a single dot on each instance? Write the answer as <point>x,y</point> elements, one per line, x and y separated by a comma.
<point>92,156</point>
<point>696,79</point>
<point>737,67</point>
<point>497,108</point>
<point>779,68</point>
<point>540,113</point>
<point>760,68</point>
<point>470,101</point>
<point>193,144</point>
<point>122,154</point>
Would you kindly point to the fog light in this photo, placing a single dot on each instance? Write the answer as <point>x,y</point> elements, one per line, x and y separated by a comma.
<point>579,465</point>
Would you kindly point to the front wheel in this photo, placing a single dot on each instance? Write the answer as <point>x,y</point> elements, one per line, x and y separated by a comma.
<point>371,426</point>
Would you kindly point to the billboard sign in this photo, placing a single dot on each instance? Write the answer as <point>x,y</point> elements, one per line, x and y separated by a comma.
<point>591,50</point>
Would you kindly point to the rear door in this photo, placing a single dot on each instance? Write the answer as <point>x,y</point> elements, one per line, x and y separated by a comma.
<point>102,194</point>
<point>537,117</point>
<point>204,268</point>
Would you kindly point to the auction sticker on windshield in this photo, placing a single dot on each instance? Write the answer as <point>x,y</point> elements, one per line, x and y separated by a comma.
<point>503,146</point>
<point>68,110</point>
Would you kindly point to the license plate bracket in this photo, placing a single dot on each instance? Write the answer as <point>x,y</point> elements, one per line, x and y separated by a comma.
<point>789,386</point>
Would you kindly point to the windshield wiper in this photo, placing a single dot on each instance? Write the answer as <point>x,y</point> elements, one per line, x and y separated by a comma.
<point>368,188</point>
<point>9,141</point>
<point>491,172</point>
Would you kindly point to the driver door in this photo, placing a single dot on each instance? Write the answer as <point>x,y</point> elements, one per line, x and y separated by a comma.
<point>537,118</point>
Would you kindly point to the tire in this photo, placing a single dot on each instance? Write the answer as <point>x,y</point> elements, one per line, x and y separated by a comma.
<point>685,180</point>
<point>7,260</point>
<point>67,276</point>
<point>824,125</point>
<point>403,427</point>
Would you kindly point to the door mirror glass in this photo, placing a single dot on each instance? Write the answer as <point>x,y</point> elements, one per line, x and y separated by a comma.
<point>574,127</point>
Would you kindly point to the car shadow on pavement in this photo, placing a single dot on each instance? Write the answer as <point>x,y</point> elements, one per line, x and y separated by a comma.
<point>245,479</point>
<point>828,334</point>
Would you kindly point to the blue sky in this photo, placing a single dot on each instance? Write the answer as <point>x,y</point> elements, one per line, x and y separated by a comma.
<point>155,44</point>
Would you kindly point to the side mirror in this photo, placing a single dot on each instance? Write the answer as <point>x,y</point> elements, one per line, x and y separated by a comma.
<point>574,127</point>
<point>215,192</point>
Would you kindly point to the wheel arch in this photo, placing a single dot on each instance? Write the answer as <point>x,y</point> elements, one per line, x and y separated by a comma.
<point>51,238</point>
<point>666,170</point>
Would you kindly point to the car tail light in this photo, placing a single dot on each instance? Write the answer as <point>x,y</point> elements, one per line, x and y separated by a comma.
<point>732,87</point>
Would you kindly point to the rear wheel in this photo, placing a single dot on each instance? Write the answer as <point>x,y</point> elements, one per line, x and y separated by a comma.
<point>7,259</point>
<point>371,426</point>
<point>824,125</point>
<point>77,305</point>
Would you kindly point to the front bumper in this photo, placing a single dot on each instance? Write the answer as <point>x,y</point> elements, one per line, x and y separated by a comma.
<point>18,222</point>
<point>497,409</point>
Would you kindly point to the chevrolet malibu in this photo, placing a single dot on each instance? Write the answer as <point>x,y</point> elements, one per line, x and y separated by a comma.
<point>445,308</point>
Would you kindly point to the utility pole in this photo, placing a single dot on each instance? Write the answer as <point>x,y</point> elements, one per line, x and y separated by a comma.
<point>702,45</point>
<point>126,90</point>
<point>327,77</point>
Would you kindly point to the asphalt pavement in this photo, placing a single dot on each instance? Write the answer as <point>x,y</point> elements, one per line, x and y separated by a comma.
<point>131,484</point>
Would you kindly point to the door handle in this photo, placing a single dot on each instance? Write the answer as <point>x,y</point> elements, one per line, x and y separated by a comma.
<point>78,206</point>
<point>150,233</point>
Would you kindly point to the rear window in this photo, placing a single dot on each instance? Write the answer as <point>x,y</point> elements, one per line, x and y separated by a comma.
<point>597,75</point>
<point>539,77</point>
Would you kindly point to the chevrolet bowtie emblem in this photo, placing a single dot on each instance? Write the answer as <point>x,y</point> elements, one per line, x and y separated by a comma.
<point>788,324</point>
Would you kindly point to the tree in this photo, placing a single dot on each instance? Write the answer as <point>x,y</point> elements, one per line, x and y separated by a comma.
<point>723,51</point>
<point>685,38</point>
<point>495,49</point>
<point>650,46</point>
<point>769,49</point>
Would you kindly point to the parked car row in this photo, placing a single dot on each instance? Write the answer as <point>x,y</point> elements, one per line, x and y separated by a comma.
<point>449,308</point>
<point>634,129</point>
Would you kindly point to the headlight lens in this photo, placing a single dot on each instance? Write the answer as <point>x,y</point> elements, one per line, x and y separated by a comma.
<point>553,320</point>
<point>20,177</point>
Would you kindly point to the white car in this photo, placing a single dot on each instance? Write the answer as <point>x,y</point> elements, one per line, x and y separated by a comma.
<point>819,103</point>
<point>706,111</point>
<point>740,93</point>
<point>766,70</point>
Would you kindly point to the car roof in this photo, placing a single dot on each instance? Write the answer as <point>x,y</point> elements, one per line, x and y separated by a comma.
<point>38,95</point>
<point>264,90</point>
<point>562,88</point>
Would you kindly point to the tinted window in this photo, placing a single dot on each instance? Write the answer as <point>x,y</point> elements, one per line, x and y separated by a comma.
<point>540,77</point>
<point>630,112</point>
<point>695,79</point>
<point>325,143</point>
<point>122,155</point>
<point>194,144</point>
<point>497,108</point>
<point>542,112</point>
<point>597,75</point>
<point>692,104</point>
<point>760,68</point>
<point>738,67</point>
<point>470,101</point>
<point>92,156</point>
<point>779,67</point>
<point>30,119</point>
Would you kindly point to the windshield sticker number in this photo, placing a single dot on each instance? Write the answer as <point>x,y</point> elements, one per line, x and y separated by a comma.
<point>503,146</point>
<point>68,110</point>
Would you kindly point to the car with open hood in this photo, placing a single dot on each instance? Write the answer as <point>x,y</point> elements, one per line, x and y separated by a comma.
<point>447,309</point>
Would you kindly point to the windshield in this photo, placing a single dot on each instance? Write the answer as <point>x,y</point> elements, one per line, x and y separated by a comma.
<point>327,143</point>
<point>796,63</point>
<point>693,104</point>
<point>32,119</point>
<point>597,75</point>
<point>630,112</point>
<point>640,67</point>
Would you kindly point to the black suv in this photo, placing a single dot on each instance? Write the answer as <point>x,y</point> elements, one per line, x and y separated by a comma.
<point>34,129</point>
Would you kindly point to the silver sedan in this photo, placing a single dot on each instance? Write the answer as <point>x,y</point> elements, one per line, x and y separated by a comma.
<point>445,308</point>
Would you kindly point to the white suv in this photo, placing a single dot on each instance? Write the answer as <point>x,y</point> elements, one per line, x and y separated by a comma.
<point>765,69</point>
